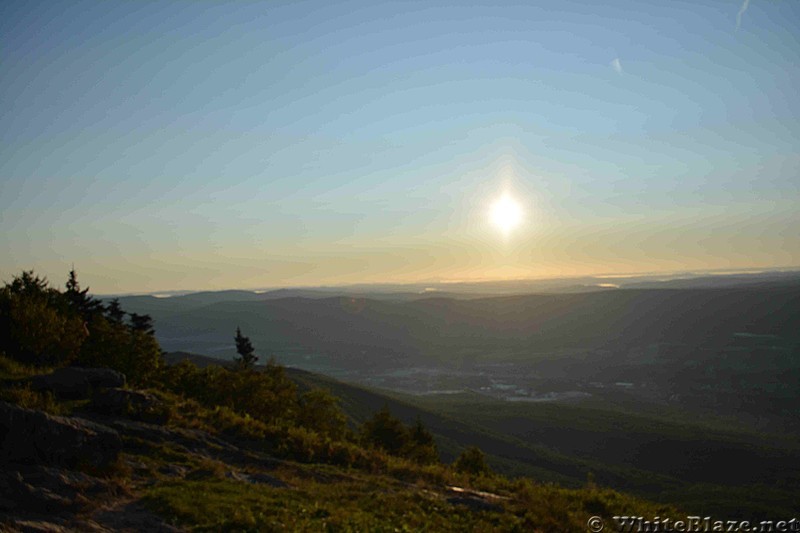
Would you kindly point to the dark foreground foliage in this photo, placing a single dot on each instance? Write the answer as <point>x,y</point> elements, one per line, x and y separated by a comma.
<point>42,326</point>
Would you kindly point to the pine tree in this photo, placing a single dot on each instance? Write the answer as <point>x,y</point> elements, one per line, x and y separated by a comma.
<point>247,356</point>
<point>114,311</point>
<point>37,324</point>
<point>385,431</point>
<point>79,300</point>
<point>421,445</point>
<point>142,323</point>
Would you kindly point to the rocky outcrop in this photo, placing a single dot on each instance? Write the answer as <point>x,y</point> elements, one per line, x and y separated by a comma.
<point>474,504</point>
<point>135,404</point>
<point>51,499</point>
<point>77,382</point>
<point>46,489</point>
<point>33,436</point>
<point>256,479</point>
<point>475,500</point>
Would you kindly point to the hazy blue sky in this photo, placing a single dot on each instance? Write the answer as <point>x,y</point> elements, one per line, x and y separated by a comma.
<point>200,145</point>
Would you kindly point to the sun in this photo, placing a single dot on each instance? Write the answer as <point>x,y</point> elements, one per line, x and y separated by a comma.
<point>505,214</point>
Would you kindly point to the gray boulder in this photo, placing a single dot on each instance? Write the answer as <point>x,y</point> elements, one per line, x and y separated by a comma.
<point>33,436</point>
<point>76,382</point>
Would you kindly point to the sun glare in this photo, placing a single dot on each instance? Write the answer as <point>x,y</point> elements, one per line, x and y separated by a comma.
<point>505,214</point>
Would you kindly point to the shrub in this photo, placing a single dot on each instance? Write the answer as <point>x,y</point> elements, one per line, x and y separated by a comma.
<point>385,432</point>
<point>40,325</point>
<point>23,396</point>
<point>36,324</point>
<point>472,461</point>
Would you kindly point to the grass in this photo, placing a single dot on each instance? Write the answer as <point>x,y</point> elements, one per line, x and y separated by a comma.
<point>15,389</point>
<point>340,485</point>
<point>23,396</point>
<point>358,505</point>
<point>12,370</point>
<point>359,489</point>
<point>365,502</point>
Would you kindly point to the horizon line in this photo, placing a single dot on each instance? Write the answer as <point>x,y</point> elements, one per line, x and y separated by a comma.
<point>674,274</point>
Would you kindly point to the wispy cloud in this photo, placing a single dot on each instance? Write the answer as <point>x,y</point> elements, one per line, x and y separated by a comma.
<point>617,66</point>
<point>740,13</point>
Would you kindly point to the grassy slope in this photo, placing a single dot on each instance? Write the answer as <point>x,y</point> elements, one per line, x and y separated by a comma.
<point>193,476</point>
<point>203,495</point>
<point>714,468</point>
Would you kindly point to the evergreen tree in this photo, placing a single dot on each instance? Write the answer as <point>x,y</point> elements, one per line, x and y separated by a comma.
<point>79,300</point>
<point>421,446</point>
<point>247,356</point>
<point>41,325</point>
<point>385,431</point>
<point>142,323</point>
<point>28,284</point>
<point>114,311</point>
<point>37,325</point>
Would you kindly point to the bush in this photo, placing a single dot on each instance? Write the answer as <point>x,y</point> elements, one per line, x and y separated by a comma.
<point>472,461</point>
<point>268,396</point>
<point>40,325</point>
<point>385,432</point>
<point>134,353</point>
<point>23,396</point>
<point>36,325</point>
<point>319,409</point>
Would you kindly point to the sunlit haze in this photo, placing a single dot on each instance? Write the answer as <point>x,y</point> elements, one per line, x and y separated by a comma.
<point>506,214</point>
<point>210,145</point>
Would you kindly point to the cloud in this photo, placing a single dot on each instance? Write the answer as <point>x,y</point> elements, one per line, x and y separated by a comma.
<point>740,13</point>
<point>617,66</point>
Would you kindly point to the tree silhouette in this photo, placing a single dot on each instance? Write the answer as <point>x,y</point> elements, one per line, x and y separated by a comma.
<point>247,356</point>
<point>79,300</point>
<point>37,323</point>
<point>114,311</point>
<point>421,446</point>
<point>385,431</point>
<point>142,323</point>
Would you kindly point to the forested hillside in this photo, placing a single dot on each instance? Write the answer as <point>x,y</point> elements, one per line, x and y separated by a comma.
<point>213,448</point>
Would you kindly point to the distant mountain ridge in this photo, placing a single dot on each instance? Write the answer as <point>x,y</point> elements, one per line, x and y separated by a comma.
<point>344,327</point>
<point>720,351</point>
<point>468,289</point>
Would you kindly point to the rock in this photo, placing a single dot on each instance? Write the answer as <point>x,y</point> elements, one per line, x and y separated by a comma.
<point>475,504</point>
<point>38,526</point>
<point>76,383</point>
<point>27,435</point>
<point>475,500</point>
<point>135,404</point>
<point>42,489</point>
<point>261,479</point>
<point>202,474</point>
<point>172,470</point>
<point>128,516</point>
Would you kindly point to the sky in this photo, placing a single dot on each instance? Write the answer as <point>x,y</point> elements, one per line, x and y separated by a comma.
<point>207,145</point>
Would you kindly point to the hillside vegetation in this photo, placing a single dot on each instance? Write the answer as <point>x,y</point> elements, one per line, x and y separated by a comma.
<point>721,352</point>
<point>239,447</point>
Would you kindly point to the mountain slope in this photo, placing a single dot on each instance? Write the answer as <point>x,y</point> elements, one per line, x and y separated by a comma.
<point>650,455</point>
